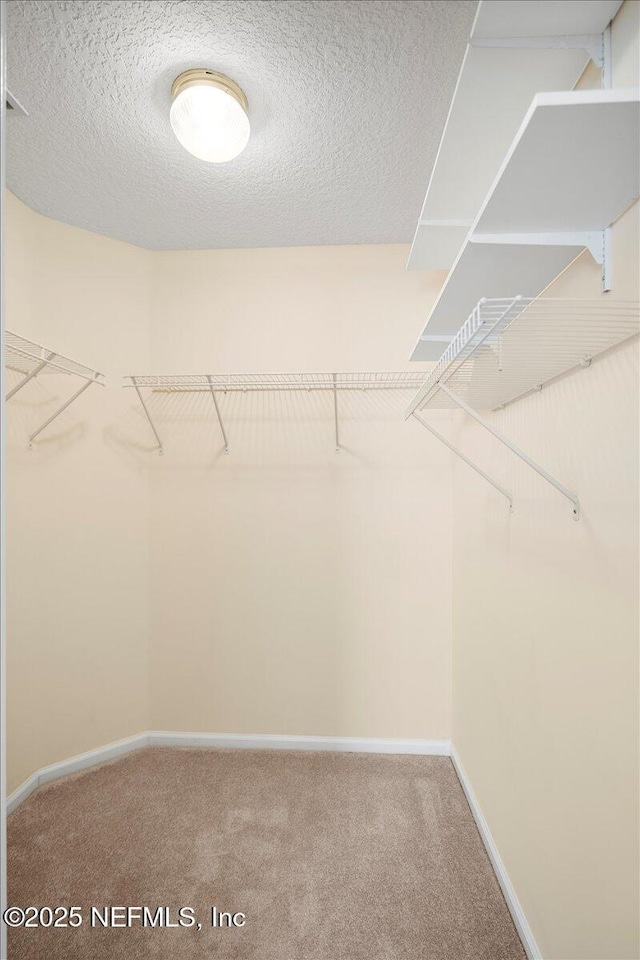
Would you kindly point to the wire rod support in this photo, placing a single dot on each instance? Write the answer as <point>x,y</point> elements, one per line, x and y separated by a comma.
<point>465,459</point>
<point>514,449</point>
<point>335,410</point>
<point>148,415</point>
<point>30,376</point>
<point>215,403</point>
<point>85,386</point>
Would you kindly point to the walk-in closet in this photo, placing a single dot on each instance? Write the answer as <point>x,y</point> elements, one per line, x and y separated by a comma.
<point>320,528</point>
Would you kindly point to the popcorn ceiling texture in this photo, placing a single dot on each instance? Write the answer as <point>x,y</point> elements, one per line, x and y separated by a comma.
<point>347,101</point>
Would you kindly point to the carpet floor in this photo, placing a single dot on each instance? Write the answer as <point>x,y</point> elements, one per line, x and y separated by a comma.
<point>328,856</point>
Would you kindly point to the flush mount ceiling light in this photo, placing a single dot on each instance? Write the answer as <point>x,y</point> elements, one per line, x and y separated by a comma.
<point>209,115</point>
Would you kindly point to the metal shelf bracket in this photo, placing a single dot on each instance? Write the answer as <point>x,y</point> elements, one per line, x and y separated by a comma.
<point>466,460</point>
<point>30,376</point>
<point>514,449</point>
<point>36,433</point>
<point>148,415</point>
<point>597,242</point>
<point>592,43</point>
<point>592,239</point>
<point>335,410</point>
<point>215,403</point>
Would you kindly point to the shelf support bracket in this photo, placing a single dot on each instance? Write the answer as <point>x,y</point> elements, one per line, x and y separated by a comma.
<point>30,376</point>
<point>466,460</point>
<point>590,42</point>
<point>606,260</point>
<point>597,242</point>
<point>605,61</point>
<point>335,410</point>
<point>85,386</point>
<point>215,403</point>
<point>514,449</point>
<point>147,414</point>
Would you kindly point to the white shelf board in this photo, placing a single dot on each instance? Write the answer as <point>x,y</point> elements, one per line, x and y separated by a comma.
<point>574,165</point>
<point>437,243</point>
<point>495,88</point>
<point>491,271</point>
<point>542,18</point>
<point>494,91</point>
<point>572,168</point>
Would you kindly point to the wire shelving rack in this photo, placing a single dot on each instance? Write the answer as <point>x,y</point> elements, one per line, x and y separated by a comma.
<point>217,384</point>
<point>513,346</point>
<point>32,360</point>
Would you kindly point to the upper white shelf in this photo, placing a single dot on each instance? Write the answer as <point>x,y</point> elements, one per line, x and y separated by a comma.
<point>573,165</point>
<point>497,19</point>
<point>572,169</point>
<point>516,50</point>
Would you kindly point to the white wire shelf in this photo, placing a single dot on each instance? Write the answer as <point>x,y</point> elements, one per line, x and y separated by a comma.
<point>32,360</point>
<point>24,356</point>
<point>221,383</point>
<point>510,347</point>
<point>246,382</point>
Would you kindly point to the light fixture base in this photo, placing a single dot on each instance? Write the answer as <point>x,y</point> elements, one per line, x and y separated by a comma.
<point>202,75</point>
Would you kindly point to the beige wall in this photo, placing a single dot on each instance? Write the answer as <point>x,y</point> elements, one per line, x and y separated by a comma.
<point>545,681</point>
<point>77,503</point>
<point>296,590</point>
<point>285,590</point>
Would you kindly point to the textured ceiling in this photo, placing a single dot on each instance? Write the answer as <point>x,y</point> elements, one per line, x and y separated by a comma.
<point>347,100</point>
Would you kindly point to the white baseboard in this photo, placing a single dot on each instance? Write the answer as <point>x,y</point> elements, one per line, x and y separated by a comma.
<point>267,741</point>
<point>515,909</point>
<point>22,792</point>
<point>80,762</point>
<point>234,741</point>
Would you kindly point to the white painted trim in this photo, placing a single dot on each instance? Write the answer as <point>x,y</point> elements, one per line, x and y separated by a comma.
<point>233,741</point>
<point>266,741</point>
<point>23,791</point>
<point>515,908</point>
<point>3,552</point>
<point>80,762</point>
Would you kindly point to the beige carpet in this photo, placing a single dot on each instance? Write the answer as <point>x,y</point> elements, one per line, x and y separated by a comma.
<point>330,856</point>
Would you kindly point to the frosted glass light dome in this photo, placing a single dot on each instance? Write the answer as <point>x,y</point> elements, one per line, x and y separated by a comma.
<point>209,115</point>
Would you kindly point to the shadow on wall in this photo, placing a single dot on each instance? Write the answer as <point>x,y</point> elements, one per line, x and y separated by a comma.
<point>261,426</point>
<point>289,589</point>
<point>29,409</point>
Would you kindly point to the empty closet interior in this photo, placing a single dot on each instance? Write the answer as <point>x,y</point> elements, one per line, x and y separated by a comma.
<point>321,479</point>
